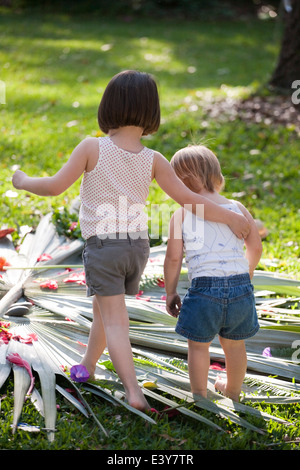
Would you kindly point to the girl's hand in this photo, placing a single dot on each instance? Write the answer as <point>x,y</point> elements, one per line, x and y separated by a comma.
<point>18,179</point>
<point>239,225</point>
<point>173,304</point>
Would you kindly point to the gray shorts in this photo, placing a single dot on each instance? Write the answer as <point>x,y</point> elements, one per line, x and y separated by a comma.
<point>115,266</point>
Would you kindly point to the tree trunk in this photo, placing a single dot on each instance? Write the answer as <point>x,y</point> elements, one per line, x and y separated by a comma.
<point>288,67</point>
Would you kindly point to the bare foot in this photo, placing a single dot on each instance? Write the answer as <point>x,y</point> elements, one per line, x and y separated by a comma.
<point>91,369</point>
<point>221,386</point>
<point>200,393</point>
<point>137,400</point>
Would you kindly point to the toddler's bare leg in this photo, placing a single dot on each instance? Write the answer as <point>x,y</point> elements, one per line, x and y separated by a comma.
<point>236,366</point>
<point>198,363</point>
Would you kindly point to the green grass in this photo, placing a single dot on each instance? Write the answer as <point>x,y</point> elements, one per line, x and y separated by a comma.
<point>127,432</point>
<point>55,69</point>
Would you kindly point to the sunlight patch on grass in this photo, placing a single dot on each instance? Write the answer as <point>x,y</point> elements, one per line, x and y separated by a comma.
<point>56,69</point>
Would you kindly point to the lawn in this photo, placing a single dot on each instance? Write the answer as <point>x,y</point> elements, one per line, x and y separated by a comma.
<point>55,69</point>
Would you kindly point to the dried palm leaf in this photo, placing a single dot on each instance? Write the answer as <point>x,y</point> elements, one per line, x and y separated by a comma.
<point>42,297</point>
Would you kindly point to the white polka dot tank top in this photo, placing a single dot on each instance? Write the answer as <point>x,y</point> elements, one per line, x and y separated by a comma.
<point>114,193</point>
<point>211,248</point>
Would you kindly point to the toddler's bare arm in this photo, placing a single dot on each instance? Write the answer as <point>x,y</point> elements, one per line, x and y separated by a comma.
<point>252,242</point>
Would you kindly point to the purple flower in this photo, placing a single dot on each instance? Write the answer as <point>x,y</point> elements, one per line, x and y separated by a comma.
<point>267,352</point>
<point>79,373</point>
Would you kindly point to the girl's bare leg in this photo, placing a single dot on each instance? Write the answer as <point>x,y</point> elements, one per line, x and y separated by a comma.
<point>236,366</point>
<point>198,363</point>
<point>97,340</point>
<point>116,325</point>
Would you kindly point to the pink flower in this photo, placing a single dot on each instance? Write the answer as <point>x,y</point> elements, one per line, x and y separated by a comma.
<point>44,257</point>
<point>79,373</point>
<point>73,226</point>
<point>16,359</point>
<point>50,284</point>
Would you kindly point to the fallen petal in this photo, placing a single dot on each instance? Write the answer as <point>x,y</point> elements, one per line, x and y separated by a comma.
<point>6,231</point>
<point>160,282</point>
<point>216,366</point>
<point>50,284</point>
<point>267,352</point>
<point>3,262</point>
<point>5,337</point>
<point>44,257</point>
<point>78,278</point>
<point>15,358</point>
<point>26,339</point>
<point>146,299</point>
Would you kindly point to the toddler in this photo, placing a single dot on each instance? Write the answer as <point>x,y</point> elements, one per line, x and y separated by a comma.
<point>220,299</point>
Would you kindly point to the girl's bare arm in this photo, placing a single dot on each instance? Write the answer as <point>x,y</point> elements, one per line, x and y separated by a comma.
<point>173,186</point>
<point>63,179</point>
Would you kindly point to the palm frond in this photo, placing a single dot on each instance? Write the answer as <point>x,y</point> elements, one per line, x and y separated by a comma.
<point>45,296</point>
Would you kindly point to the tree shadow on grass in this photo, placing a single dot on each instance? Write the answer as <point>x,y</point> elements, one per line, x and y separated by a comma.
<point>193,55</point>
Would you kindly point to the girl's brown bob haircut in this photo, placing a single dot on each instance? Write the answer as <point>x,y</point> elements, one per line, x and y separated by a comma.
<point>130,99</point>
<point>198,167</point>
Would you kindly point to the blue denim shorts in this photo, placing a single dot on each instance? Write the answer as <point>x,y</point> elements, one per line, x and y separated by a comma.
<point>218,305</point>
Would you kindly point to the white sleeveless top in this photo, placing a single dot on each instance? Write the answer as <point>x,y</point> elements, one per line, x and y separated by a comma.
<point>114,193</point>
<point>211,248</point>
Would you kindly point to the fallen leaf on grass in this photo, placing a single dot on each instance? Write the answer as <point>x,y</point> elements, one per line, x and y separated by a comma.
<point>173,439</point>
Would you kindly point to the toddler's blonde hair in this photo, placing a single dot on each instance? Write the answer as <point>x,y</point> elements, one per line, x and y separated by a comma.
<point>197,164</point>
